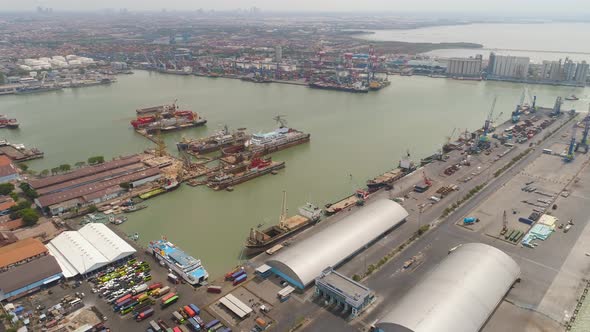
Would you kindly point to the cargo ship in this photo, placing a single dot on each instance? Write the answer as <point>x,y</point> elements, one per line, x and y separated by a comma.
<point>357,87</point>
<point>257,167</point>
<point>35,89</point>
<point>387,179</point>
<point>214,143</point>
<point>378,85</point>
<point>187,267</point>
<point>261,240</point>
<point>279,139</point>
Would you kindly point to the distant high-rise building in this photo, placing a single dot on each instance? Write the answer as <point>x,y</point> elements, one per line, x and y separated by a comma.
<point>468,67</point>
<point>569,70</point>
<point>509,66</point>
<point>581,72</point>
<point>278,53</point>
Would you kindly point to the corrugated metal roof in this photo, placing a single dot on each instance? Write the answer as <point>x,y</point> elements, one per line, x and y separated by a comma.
<point>92,247</point>
<point>306,260</point>
<point>457,295</point>
<point>29,273</point>
<point>19,251</point>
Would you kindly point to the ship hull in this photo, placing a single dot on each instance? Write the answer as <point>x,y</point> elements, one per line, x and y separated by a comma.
<point>280,146</point>
<point>246,177</point>
<point>252,249</point>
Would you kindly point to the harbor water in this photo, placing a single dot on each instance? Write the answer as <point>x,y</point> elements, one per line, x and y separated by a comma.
<point>353,138</point>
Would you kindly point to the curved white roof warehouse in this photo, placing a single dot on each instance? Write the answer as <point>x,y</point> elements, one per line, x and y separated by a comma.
<point>302,262</point>
<point>88,249</point>
<point>458,295</point>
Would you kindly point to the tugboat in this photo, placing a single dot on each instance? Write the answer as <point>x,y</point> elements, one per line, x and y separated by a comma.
<point>260,240</point>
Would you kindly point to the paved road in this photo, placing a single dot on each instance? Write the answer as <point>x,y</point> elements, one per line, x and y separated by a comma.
<point>391,282</point>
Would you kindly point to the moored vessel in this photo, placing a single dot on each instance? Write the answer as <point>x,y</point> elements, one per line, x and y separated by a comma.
<point>187,267</point>
<point>261,240</point>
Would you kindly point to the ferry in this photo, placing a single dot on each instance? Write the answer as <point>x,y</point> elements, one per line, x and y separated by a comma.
<point>187,267</point>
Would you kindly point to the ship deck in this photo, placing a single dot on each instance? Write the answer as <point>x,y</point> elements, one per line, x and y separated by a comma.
<point>387,176</point>
<point>295,221</point>
<point>342,204</point>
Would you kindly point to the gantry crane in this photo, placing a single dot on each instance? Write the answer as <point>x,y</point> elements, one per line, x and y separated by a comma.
<point>571,148</point>
<point>584,141</point>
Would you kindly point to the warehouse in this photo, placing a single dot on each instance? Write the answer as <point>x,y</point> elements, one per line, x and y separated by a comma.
<point>8,172</point>
<point>302,262</point>
<point>91,248</point>
<point>21,252</point>
<point>29,277</point>
<point>459,294</point>
<point>61,201</point>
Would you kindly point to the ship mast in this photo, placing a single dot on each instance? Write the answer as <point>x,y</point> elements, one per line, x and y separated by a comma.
<point>283,216</point>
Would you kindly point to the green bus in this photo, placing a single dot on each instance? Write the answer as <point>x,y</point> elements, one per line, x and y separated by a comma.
<point>170,301</point>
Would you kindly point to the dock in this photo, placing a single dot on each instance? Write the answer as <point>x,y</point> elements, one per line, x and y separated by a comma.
<point>20,153</point>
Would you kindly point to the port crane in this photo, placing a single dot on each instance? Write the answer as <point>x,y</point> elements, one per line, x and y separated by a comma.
<point>572,146</point>
<point>584,141</point>
<point>427,181</point>
<point>360,194</point>
<point>283,216</point>
<point>556,107</point>
<point>489,120</point>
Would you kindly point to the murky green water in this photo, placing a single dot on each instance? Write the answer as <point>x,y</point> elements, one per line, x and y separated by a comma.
<point>361,135</point>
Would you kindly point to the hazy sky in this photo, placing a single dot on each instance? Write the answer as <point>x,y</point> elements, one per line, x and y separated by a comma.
<point>481,6</point>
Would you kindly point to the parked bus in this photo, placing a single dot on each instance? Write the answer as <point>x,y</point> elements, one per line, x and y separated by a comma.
<point>155,326</point>
<point>145,314</point>
<point>193,325</point>
<point>169,301</point>
<point>195,309</point>
<point>123,299</point>
<point>214,289</point>
<point>190,312</point>
<point>128,308</point>
<point>177,317</point>
<point>212,324</point>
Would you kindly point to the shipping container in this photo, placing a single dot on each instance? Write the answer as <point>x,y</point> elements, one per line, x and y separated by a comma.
<point>145,314</point>
<point>195,309</point>
<point>240,279</point>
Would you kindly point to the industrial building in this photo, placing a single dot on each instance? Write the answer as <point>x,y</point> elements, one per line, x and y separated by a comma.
<point>8,172</point>
<point>91,248</point>
<point>505,66</point>
<point>465,67</point>
<point>91,185</point>
<point>21,252</point>
<point>29,277</point>
<point>301,263</point>
<point>459,294</point>
<point>350,297</point>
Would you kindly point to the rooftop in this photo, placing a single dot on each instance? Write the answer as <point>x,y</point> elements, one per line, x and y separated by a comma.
<point>20,250</point>
<point>85,171</point>
<point>354,292</point>
<point>29,273</point>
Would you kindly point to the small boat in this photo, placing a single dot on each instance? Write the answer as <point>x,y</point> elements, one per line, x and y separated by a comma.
<point>572,98</point>
<point>133,208</point>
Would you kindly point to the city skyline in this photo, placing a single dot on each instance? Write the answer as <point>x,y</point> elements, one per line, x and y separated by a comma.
<point>526,7</point>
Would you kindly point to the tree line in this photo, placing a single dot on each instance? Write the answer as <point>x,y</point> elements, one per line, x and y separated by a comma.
<point>64,168</point>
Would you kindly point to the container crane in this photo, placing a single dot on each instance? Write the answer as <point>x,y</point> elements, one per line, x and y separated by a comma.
<point>556,107</point>
<point>570,151</point>
<point>584,141</point>
<point>487,124</point>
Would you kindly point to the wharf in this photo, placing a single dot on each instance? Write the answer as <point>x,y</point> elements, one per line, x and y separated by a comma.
<point>19,155</point>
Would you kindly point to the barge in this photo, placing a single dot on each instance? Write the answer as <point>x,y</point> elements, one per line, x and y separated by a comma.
<point>261,240</point>
<point>187,267</point>
<point>257,167</point>
<point>355,88</point>
<point>386,180</point>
